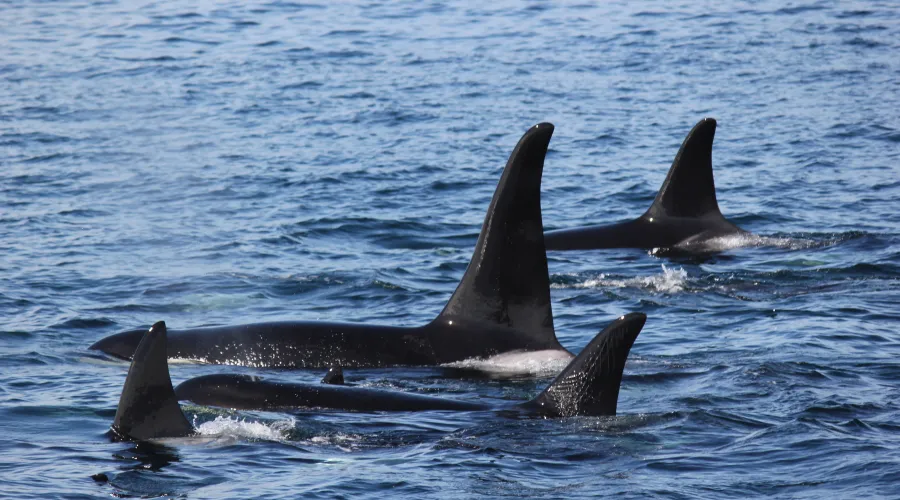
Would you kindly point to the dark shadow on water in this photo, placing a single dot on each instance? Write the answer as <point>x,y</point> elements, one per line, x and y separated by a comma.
<point>151,456</point>
<point>148,478</point>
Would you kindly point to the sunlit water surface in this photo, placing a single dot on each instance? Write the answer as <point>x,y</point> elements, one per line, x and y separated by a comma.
<point>233,162</point>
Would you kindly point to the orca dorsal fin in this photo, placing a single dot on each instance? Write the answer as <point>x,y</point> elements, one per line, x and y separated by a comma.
<point>335,376</point>
<point>689,190</point>
<point>148,408</point>
<point>506,283</point>
<point>589,385</point>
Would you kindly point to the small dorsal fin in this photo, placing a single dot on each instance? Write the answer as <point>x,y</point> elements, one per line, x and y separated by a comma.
<point>335,376</point>
<point>506,283</point>
<point>689,190</point>
<point>148,408</point>
<point>589,385</point>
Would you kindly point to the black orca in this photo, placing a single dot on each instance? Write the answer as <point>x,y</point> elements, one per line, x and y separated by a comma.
<point>334,376</point>
<point>501,305</point>
<point>148,408</point>
<point>684,215</point>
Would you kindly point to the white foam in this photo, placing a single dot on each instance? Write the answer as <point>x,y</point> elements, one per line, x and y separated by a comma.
<point>227,428</point>
<point>670,281</point>
<point>548,362</point>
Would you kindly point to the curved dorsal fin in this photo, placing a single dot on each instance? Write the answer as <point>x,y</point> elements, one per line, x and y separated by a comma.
<point>506,283</point>
<point>688,190</point>
<point>148,408</point>
<point>589,385</point>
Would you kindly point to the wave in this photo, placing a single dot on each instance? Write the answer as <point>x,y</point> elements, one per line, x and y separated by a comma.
<point>229,429</point>
<point>669,281</point>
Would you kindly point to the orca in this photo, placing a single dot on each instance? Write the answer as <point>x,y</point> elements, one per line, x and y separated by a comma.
<point>502,303</point>
<point>685,214</point>
<point>148,408</point>
<point>335,375</point>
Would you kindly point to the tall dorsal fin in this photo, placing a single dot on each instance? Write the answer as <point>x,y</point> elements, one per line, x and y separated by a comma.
<point>589,385</point>
<point>688,190</point>
<point>507,283</point>
<point>148,408</point>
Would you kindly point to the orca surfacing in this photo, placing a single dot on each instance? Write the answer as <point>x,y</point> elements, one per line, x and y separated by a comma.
<point>685,214</point>
<point>148,407</point>
<point>502,303</point>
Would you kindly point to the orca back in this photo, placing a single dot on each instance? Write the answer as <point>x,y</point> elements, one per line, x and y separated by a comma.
<point>501,304</point>
<point>245,392</point>
<point>334,376</point>
<point>685,212</point>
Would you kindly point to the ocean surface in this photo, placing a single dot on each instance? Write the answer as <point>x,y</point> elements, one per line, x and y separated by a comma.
<point>221,162</point>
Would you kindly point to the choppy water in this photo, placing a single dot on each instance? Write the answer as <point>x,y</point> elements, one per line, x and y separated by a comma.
<point>231,162</point>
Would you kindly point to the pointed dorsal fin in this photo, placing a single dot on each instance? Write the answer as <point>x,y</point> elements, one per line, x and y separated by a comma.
<point>148,408</point>
<point>589,385</point>
<point>506,283</point>
<point>688,190</point>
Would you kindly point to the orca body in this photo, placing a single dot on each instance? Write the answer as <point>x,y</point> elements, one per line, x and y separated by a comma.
<point>148,407</point>
<point>318,344</point>
<point>502,303</point>
<point>684,215</point>
<point>248,392</point>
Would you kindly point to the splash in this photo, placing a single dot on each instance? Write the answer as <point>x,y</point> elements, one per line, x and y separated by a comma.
<point>228,428</point>
<point>534,363</point>
<point>670,281</point>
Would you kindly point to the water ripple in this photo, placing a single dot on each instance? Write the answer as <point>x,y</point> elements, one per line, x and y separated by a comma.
<point>230,163</point>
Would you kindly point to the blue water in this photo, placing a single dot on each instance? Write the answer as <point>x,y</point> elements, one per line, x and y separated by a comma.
<point>233,162</point>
